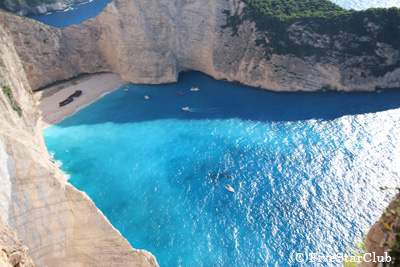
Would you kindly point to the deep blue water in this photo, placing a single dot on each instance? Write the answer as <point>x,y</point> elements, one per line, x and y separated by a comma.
<point>73,16</point>
<point>306,168</point>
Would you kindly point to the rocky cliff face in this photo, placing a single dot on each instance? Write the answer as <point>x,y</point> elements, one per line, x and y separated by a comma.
<point>380,239</point>
<point>12,251</point>
<point>60,225</point>
<point>152,41</point>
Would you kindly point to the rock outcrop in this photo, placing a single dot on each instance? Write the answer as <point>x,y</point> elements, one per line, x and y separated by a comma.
<point>380,239</point>
<point>152,41</point>
<point>60,225</point>
<point>12,251</point>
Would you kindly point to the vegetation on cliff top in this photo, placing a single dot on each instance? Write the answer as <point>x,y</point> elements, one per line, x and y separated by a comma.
<point>274,18</point>
<point>390,222</point>
<point>290,9</point>
<point>324,17</point>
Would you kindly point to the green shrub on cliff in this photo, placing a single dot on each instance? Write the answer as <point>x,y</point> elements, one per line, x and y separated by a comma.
<point>356,251</point>
<point>274,17</point>
<point>267,13</point>
<point>284,10</point>
<point>14,104</point>
<point>324,17</point>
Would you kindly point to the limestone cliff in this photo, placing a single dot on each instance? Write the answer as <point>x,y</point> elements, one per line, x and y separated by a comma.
<point>60,225</point>
<point>152,41</point>
<point>12,251</point>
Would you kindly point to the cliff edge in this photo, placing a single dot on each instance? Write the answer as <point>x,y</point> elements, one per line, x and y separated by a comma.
<point>383,237</point>
<point>152,41</point>
<point>60,225</point>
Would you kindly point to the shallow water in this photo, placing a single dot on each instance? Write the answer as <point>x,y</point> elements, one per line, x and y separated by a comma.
<point>306,168</point>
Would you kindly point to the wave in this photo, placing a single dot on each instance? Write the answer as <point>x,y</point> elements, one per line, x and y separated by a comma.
<point>59,164</point>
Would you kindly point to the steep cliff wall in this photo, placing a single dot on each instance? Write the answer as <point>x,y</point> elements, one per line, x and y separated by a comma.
<point>60,225</point>
<point>152,41</point>
<point>49,54</point>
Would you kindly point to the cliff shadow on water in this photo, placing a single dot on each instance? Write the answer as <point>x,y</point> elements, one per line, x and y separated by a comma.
<point>217,100</point>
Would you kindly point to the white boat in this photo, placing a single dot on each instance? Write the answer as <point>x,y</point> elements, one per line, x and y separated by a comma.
<point>126,90</point>
<point>194,89</point>
<point>230,188</point>
<point>186,108</point>
<point>146,97</point>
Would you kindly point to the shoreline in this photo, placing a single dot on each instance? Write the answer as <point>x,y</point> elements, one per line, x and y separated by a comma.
<point>93,88</point>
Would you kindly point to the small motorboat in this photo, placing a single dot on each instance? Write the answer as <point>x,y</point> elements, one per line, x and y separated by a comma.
<point>194,89</point>
<point>180,93</point>
<point>230,188</point>
<point>126,90</point>
<point>146,97</point>
<point>186,108</point>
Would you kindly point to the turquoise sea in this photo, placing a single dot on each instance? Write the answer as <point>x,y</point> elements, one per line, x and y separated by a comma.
<point>306,168</point>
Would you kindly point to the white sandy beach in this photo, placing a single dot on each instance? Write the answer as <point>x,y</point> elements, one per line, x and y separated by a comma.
<point>92,87</point>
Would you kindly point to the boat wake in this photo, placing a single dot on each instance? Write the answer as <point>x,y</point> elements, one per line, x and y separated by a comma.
<point>205,110</point>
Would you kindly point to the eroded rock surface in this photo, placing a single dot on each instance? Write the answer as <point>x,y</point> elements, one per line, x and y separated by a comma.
<point>60,225</point>
<point>12,251</point>
<point>152,41</point>
<point>379,239</point>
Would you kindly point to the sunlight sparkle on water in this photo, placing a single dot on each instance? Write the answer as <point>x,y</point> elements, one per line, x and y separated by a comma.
<point>306,168</point>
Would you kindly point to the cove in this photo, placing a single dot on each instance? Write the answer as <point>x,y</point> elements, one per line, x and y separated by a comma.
<point>306,168</point>
<point>77,14</point>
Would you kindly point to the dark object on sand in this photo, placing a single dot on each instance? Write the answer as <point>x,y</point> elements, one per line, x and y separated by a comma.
<point>70,98</point>
<point>76,94</point>
<point>65,102</point>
